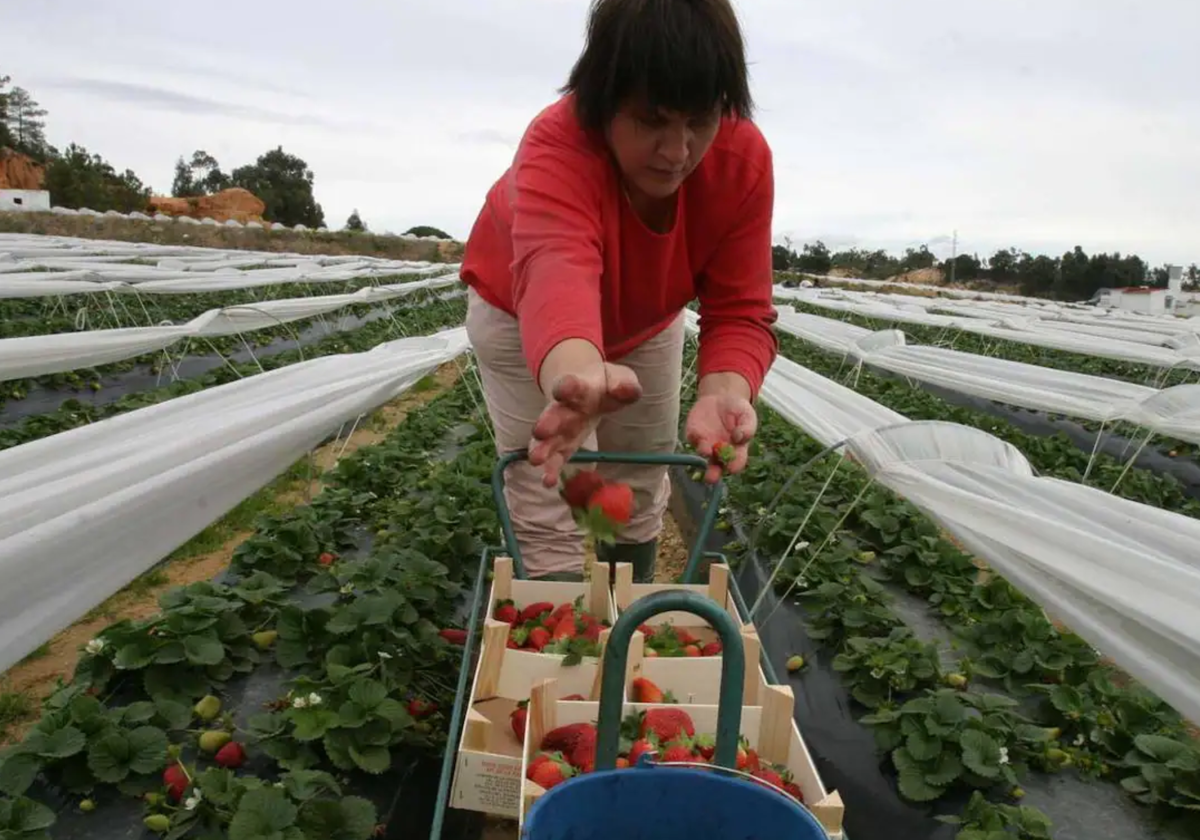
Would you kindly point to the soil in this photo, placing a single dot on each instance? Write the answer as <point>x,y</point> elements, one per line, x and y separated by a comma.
<point>39,674</point>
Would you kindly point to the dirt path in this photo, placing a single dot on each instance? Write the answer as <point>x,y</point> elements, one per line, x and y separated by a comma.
<point>38,675</point>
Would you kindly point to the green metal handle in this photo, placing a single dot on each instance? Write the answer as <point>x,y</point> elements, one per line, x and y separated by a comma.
<point>616,654</point>
<point>583,456</point>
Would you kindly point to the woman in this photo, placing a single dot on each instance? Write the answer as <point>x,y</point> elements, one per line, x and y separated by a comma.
<point>646,186</point>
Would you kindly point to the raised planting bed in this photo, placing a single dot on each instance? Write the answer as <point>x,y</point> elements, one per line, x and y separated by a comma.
<point>322,643</point>
<point>928,689</point>
<point>16,429</point>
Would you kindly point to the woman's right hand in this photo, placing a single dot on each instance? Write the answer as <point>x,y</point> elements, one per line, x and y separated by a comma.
<point>577,401</point>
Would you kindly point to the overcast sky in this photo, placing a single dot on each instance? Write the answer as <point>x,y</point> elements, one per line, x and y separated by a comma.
<point>1036,123</point>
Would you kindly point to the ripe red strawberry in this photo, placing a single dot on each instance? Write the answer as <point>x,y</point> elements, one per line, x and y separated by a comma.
<point>769,776</point>
<point>577,490</point>
<point>539,637</point>
<point>614,502</point>
<point>640,747</point>
<point>711,649</point>
<point>645,691</point>
<point>793,790</point>
<point>176,781</point>
<point>752,761</point>
<point>566,628</point>
<point>574,697</point>
<point>723,453</point>
<point>454,636</point>
<point>677,752</point>
<point>507,612</point>
<point>533,611</point>
<point>691,650</point>
<point>512,643</point>
<point>646,630</point>
<point>667,724</point>
<point>518,718</point>
<point>231,756</point>
<point>684,636</point>
<point>706,746</point>
<point>576,741</point>
<point>419,707</point>
<point>553,771</point>
<point>326,558</point>
<point>592,632</point>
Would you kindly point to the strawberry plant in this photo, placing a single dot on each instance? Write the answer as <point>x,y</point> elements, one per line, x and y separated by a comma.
<point>875,669</point>
<point>24,819</point>
<point>983,820</point>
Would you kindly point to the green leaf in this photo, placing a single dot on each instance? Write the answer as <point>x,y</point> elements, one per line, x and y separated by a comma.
<point>170,653</point>
<point>945,771</point>
<point>203,649</point>
<point>24,818</point>
<point>109,757</point>
<point>147,749</point>
<point>309,784</point>
<point>63,743</point>
<point>172,713</point>
<point>262,814</point>
<point>17,772</point>
<point>368,694</point>
<point>1160,748</point>
<point>311,724</point>
<point>350,818</point>
<point>981,753</point>
<point>922,747</point>
<point>915,788</point>
<point>139,712</point>
<point>372,759</point>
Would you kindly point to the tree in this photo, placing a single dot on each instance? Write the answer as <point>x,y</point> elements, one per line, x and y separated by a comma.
<point>814,259</point>
<point>782,258</point>
<point>5,134</point>
<point>26,123</point>
<point>917,258</point>
<point>285,184</point>
<point>355,222</point>
<point>426,230</point>
<point>79,179</point>
<point>201,176</point>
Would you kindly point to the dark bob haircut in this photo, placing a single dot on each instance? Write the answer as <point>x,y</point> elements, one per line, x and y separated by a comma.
<point>685,56</point>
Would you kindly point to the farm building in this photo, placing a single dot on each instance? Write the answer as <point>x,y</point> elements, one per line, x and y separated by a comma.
<point>1135,299</point>
<point>24,200</point>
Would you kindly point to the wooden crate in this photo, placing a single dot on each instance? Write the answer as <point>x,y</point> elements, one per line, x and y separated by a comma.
<point>487,773</point>
<point>769,728</point>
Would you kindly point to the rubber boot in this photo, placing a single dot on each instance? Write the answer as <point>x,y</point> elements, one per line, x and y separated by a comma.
<point>641,555</point>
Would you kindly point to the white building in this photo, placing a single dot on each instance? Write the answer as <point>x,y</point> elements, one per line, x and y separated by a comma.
<point>16,200</point>
<point>1135,299</point>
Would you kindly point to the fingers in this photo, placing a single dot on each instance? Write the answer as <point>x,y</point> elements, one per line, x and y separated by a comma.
<point>744,426</point>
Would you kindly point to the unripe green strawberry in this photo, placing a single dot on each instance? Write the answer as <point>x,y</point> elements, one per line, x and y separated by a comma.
<point>158,823</point>
<point>795,663</point>
<point>87,806</point>
<point>213,740</point>
<point>207,708</point>
<point>264,638</point>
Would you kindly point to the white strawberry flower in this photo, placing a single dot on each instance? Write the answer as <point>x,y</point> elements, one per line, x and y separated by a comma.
<point>299,703</point>
<point>192,801</point>
<point>94,646</point>
<point>314,699</point>
<point>1004,755</point>
<point>383,654</point>
<point>347,589</point>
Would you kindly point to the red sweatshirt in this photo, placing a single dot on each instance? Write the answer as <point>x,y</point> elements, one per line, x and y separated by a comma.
<point>559,247</point>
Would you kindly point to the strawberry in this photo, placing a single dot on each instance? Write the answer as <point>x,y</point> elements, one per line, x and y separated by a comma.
<point>566,628</point>
<point>793,790</point>
<point>645,691</point>
<point>578,489</point>
<point>534,611</point>
<point>646,630</point>
<point>566,607</point>
<point>640,747</point>
<point>691,650</point>
<point>706,746</point>
<point>752,761</point>
<point>539,637</point>
<point>518,718</point>
<point>230,756</point>
<point>574,697</point>
<point>769,776</point>
<point>743,757</point>
<point>723,453</point>
<point>326,558</point>
<point>454,636</point>
<point>592,632</point>
<point>667,724</point>
<point>622,762</point>
<point>685,637</point>
<point>577,741</point>
<point>613,502</point>
<point>507,612</point>
<point>711,649</point>
<point>550,772</point>
<point>512,643</point>
<point>176,781</point>
<point>677,752</point>
<point>419,707</point>
<point>650,652</point>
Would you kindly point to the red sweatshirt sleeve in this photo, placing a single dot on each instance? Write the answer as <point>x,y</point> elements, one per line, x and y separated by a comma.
<point>736,313</point>
<point>557,237</point>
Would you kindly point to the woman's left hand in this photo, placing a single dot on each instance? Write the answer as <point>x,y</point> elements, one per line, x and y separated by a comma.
<point>717,419</point>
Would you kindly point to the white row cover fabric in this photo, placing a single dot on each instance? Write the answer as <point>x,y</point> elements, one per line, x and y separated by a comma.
<point>1174,411</point>
<point>38,355</point>
<point>47,266</point>
<point>1184,349</point>
<point>84,512</point>
<point>1124,576</point>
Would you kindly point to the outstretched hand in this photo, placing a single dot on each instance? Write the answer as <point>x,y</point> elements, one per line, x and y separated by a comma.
<point>722,419</point>
<point>577,402</point>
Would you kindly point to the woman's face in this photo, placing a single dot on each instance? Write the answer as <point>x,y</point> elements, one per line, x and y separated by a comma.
<point>657,150</point>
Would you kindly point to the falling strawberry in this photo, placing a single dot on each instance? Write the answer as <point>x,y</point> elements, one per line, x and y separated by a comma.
<point>230,756</point>
<point>518,718</point>
<point>507,612</point>
<point>614,502</point>
<point>577,490</point>
<point>454,636</point>
<point>419,707</point>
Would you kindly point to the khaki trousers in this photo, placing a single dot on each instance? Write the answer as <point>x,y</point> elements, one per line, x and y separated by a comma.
<point>547,535</point>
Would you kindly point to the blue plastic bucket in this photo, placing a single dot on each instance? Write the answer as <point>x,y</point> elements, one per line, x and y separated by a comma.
<point>667,803</point>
